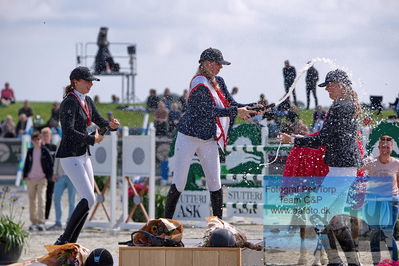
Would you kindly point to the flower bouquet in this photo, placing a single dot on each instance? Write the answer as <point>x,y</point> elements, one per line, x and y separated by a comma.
<point>70,254</point>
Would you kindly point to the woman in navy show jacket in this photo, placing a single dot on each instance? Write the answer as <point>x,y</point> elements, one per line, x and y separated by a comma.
<point>204,126</point>
<point>77,111</point>
<point>342,154</point>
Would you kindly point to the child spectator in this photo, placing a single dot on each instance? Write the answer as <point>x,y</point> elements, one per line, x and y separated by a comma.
<point>26,109</point>
<point>47,137</point>
<point>7,95</point>
<point>37,170</point>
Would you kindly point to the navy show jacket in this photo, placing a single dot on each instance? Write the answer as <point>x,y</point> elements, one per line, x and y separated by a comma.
<point>199,120</point>
<point>339,135</point>
<point>75,139</point>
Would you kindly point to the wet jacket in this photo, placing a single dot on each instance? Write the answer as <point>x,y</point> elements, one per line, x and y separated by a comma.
<point>46,160</point>
<point>75,139</point>
<point>199,120</point>
<point>338,135</point>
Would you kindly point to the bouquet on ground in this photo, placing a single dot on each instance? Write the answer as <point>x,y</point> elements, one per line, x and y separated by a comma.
<point>165,228</point>
<point>70,254</point>
<point>240,238</point>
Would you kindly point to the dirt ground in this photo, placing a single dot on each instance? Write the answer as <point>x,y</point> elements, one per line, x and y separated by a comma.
<point>91,238</point>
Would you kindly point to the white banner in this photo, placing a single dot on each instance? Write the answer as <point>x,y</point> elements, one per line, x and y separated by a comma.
<point>242,195</point>
<point>193,205</point>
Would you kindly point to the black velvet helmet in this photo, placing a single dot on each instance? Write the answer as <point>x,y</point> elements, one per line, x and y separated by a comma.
<point>100,257</point>
<point>222,238</point>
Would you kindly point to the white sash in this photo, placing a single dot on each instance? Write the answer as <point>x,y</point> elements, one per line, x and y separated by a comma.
<point>222,123</point>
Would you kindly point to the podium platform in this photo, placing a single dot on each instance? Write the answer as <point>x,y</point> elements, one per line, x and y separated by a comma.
<point>179,256</point>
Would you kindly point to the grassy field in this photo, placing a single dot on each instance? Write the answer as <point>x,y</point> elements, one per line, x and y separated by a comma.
<point>135,119</point>
<point>127,118</point>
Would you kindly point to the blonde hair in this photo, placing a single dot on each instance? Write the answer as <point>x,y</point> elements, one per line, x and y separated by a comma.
<point>45,131</point>
<point>202,71</point>
<point>351,95</point>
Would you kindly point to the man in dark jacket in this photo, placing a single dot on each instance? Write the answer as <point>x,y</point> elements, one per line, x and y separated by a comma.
<point>312,76</point>
<point>38,169</point>
<point>289,74</point>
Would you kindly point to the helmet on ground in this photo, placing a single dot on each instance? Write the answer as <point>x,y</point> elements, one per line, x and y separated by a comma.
<point>222,238</point>
<point>99,257</point>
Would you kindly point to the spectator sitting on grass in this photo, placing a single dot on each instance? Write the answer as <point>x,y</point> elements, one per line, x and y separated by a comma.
<point>152,101</point>
<point>26,109</point>
<point>114,98</point>
<point>7,95</point>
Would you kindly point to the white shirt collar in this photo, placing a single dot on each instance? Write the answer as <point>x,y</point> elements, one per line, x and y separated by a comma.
<point>81,96</point>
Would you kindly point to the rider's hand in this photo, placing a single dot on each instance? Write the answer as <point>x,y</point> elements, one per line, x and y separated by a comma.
<point>97,137</point>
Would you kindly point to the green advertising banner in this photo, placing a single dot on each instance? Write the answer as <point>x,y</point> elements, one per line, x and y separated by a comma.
<point>10,152</point>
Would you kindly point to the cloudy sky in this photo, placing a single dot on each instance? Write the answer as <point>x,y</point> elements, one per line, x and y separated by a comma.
<point>38,39</point>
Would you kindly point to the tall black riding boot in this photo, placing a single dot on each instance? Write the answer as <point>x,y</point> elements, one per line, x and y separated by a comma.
<point>78,214</point>
<point>76,233</point>
<point>217,203</point>
<point>171,201</point>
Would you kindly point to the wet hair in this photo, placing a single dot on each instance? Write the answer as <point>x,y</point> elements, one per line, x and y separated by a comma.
<point>202,71</point>
<point>351,95</point>
<point>69,88</point>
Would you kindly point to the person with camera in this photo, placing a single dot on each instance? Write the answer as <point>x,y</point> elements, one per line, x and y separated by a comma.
<point>204,126</point>
<point>77,111</point>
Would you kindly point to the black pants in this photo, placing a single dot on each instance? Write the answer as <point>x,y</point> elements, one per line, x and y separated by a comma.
<point>287,87</point>
<point>310,88</point>
<point>49,198</point>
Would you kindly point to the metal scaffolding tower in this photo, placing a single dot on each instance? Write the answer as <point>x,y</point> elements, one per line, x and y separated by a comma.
<point>86,54</point>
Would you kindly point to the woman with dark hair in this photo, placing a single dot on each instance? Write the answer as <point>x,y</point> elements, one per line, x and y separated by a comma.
<point>204,126</point>
<point>342,154</point>
<point>77,111</point>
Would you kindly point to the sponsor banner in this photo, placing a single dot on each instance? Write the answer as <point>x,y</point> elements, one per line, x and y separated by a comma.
<point>247,202</point>
<point>10,153</point>
<point>193,205</point>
